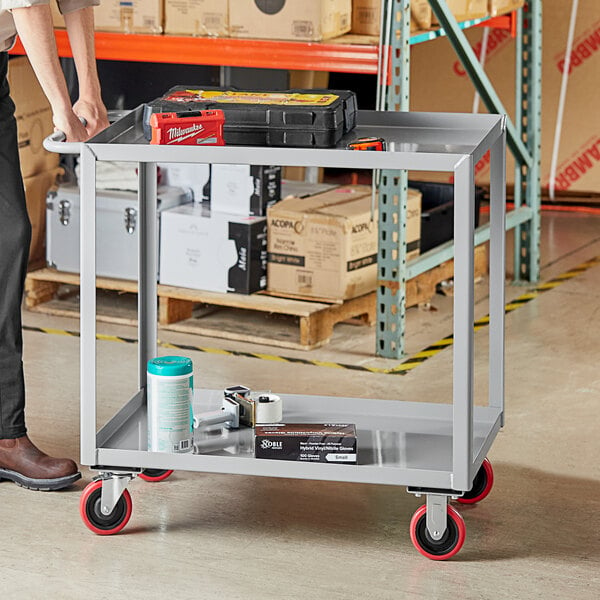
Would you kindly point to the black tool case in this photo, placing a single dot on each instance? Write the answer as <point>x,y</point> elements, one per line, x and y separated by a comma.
<point>437,211</point>
<point>294,118</point>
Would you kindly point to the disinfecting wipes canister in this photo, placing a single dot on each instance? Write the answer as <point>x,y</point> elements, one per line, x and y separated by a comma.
<point>170,413</point>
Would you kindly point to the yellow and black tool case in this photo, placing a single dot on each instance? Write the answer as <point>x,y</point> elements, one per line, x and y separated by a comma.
<point>293,118</point>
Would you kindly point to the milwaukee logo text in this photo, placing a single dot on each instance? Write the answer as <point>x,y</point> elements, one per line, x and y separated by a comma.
<point>180,133</point>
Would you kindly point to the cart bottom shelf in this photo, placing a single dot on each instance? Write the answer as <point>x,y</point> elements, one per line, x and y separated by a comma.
<point>399,443</point>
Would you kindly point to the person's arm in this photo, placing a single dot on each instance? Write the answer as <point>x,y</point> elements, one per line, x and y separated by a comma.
<point>80,28</point>
<point>34,26</point>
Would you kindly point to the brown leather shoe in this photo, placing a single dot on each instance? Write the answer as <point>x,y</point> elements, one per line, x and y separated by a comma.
<point>29,467</point>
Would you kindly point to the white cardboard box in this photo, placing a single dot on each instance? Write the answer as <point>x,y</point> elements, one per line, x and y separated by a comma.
<point>244,189</point>
<point>193,177</point>
<point>217,252</point>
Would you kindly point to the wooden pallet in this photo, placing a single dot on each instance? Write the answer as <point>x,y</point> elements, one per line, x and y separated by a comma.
<point>315,320</point>
<point>296,323</point>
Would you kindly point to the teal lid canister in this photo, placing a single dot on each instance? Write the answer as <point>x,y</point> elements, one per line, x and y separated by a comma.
<point>169,393</point>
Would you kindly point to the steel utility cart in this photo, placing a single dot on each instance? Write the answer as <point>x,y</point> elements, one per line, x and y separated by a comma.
<point>436,450</point>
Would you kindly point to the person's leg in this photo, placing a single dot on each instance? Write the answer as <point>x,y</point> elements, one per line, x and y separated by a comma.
<point>15,235</point>
<point>20,460</point>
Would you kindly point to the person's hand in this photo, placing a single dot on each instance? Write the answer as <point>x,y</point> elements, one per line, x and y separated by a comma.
<point>94,113</point>
<point>69,123</point>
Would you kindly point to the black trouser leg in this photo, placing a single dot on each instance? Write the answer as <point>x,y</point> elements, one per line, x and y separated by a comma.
<point>15,236</point>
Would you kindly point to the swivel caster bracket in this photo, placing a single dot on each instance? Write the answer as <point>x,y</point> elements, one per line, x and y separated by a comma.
<point>113,486</point>
<point>437,509</point>
<point>437,519</point>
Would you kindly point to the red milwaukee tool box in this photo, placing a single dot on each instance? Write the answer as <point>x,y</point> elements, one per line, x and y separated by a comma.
<point>296,118</point>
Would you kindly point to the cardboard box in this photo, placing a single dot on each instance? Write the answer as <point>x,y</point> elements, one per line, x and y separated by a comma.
<point>465,10</point>
<point>325,246</point>
<point>197,17</point>
<point>447,88</point>
<point>211,251</point>
<point>366,16</point>
<point>300,20</point>
<point>133,16</point>
<point>34,118</point>
<point>57,19</point>
<point>246,190</point>
<point>36,190</point>
<point>189,176</point>
<point>500,7</point>
<point>290,188</point>
<point>420,14</point>
<point>307,442</point>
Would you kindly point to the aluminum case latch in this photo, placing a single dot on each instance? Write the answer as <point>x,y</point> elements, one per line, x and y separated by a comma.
<point>64,212</point>
<point>130,219</point>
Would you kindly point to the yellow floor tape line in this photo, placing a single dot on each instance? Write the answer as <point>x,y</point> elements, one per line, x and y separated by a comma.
<point>402,369</point>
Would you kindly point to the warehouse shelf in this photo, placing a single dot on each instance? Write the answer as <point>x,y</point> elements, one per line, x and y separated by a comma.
<point>390,60</point>
<point>229,52</point>
<point>523,141</point>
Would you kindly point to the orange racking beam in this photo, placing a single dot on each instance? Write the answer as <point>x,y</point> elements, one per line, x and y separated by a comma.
<point>232,52</point>
<point>229,52</point>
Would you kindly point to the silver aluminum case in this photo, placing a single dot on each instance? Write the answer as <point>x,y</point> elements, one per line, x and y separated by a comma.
<point>116,225</point>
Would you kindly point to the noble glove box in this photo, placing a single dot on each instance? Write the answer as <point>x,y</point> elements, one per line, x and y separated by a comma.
<point>116,229</point>
<point>306,442</point>
<point>216,252</point>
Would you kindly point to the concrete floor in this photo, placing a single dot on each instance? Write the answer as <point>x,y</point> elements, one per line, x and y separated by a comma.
<point>230,537</point>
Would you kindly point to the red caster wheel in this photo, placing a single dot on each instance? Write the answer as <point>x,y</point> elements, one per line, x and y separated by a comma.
<point>482,484</point>
<point>94,519</point>
<point>450,543</point>
<point>154,475</point>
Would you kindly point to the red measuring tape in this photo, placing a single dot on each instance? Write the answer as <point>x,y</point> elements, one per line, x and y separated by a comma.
<point>367,143</point>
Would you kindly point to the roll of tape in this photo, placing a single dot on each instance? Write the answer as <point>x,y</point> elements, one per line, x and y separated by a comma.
<point>269,409</point>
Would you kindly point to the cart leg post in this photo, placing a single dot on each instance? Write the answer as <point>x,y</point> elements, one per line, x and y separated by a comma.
<point>147,269</point>
<point>437,507</point>
<point>113,487</point>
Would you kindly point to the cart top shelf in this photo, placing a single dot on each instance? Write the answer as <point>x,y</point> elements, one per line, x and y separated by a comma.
<point>421,141</point>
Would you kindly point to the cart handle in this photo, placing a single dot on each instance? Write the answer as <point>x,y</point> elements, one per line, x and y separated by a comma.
<point>55,142</point>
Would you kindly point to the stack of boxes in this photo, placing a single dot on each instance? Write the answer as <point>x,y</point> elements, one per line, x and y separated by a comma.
<point>219,245</point>
<point>244,239</point>
<point>299,20</point>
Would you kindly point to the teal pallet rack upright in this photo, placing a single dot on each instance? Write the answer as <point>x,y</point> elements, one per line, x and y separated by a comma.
<point>523,141</point>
